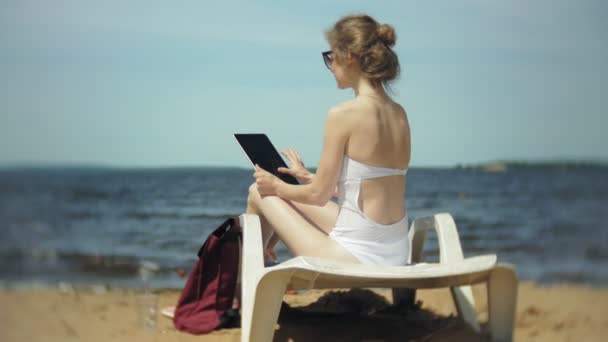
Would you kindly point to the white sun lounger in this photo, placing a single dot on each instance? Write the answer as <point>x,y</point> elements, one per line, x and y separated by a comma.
<point>263,287</point>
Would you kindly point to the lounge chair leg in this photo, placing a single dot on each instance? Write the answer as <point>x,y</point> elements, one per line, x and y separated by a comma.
<point>465,304</point>
<point>262,307</point>
<point>404,297</point>
<point>502,301</point>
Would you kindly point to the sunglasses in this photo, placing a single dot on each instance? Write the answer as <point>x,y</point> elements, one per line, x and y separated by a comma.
<point>327,58</point>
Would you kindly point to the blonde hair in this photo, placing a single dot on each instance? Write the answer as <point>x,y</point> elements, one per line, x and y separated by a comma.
<point>369,43</point>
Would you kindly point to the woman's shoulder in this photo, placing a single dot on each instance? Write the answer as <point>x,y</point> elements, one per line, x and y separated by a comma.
<point>363,105</point>
<point>344,107</point>
<point>348,109</point>
<point>342,112</point>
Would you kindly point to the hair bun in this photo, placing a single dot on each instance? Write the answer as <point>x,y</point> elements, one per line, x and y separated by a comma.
<point>386,34</point>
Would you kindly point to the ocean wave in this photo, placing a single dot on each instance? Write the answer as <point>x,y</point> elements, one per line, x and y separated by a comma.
<point>211,216</point>
<point>101,265</point>
<point>81,193</point>
<point>83,215</point>
<point>139,215</point>
<point>596,253</point>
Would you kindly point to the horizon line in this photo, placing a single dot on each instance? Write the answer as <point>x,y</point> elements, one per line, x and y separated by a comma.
<point>506,162</point>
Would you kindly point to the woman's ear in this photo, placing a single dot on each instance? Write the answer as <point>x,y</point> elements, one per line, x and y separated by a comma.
<point>348,58</point>
<point>351,61</point>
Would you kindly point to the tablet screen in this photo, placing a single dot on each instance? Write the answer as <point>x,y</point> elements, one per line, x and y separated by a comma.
<point>260,150</point>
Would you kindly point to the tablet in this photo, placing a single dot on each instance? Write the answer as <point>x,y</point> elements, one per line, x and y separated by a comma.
<point>259,150</point>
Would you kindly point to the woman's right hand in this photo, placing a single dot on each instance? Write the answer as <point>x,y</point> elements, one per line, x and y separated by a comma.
<point>296,167</point>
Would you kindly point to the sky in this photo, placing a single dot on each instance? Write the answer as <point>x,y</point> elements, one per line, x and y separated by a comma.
<point>166,84</point>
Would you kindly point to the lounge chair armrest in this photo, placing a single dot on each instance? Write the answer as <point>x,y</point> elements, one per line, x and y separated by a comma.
<point>253,253</point>
<point>450,249</point>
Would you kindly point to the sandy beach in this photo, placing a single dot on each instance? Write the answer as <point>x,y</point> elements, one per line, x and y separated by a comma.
<point>544,313</point>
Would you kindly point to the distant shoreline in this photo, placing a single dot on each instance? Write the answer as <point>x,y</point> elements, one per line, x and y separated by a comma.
<point>501,166</point>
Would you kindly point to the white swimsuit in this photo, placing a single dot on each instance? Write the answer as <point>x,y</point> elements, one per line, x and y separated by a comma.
<point>368,241</point>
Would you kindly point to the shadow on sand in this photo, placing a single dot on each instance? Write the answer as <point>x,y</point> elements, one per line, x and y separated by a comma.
<point>363,315</point>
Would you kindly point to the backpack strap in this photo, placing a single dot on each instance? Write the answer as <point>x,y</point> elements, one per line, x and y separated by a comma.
<point>230,229</point>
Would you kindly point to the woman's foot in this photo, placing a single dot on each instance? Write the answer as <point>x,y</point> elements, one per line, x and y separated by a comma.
<point>270,263</point>
<point>270,257</point>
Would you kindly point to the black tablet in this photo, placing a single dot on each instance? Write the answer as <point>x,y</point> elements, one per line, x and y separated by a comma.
<point>259,150</point>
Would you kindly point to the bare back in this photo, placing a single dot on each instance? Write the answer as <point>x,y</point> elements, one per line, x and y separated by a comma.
<point>380,137</point>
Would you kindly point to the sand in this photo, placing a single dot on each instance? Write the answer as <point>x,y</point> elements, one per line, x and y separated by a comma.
<point>551,313</point>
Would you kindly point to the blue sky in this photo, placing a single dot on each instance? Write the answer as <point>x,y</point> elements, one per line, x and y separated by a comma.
<point>165,83</point>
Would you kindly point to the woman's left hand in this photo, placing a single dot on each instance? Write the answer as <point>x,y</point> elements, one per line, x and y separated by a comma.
<point>267,182</point>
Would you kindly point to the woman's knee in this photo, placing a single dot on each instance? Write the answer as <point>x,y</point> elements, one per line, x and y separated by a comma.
<point>253,196</point>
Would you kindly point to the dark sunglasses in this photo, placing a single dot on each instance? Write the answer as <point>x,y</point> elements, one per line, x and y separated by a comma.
<point>327,58</point>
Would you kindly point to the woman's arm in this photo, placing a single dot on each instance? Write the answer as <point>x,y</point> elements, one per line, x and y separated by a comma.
<point>322,186</point>
<point>310,176</point>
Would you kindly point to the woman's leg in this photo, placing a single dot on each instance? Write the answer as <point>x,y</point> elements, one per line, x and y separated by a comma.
<point>323,218</point>
<point>302,235</point>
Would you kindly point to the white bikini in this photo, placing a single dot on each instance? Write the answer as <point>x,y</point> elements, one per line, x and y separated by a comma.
<point>370,242</point>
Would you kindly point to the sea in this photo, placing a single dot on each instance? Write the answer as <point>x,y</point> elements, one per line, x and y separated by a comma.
<point>99,225</point>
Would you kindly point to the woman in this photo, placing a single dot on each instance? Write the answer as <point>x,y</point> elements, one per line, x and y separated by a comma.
<point>366,153</point>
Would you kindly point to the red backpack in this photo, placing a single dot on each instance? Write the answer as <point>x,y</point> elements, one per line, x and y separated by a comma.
<point>206,301</point>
